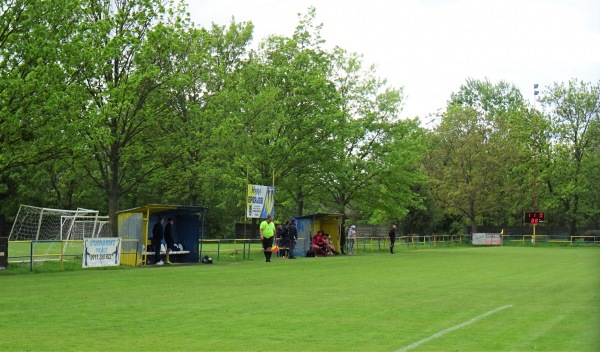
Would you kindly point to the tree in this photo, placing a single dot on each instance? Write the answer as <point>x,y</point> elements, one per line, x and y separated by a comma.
<point>574,111</point>
<point>35,95</point>
<point>472,150</point>
<point>375,166</point>
<point>288,116</point>
<point>203,98</point>
<point>120,59</point>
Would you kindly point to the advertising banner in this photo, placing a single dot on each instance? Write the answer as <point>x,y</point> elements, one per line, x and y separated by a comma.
<point>98,252</point>
<point>487,239</point>
<point>260,201</point>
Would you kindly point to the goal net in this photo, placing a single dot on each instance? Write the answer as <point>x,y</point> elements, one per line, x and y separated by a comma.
<point>48,228</point>
<point>39,224</point>
<point>78,227</point>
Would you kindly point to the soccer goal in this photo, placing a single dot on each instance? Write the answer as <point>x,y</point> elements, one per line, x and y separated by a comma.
<point>48,228</point>
<point>39,224</point>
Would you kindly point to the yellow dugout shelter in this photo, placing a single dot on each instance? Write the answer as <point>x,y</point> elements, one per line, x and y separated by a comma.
<point>309,225</point>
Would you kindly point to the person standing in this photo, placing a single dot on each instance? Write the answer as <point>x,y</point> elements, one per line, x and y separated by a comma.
<point>169,240</point>
<point>157,236</point>
<point>392,235</point>
<point>286,240</point>
<point>343,239</point>
<point>278,239</point>
<point>292,235</point>
<point>351,239</point>
<point>267,232</point>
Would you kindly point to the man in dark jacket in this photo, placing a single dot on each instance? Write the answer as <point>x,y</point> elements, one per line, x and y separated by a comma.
<point>169,239</point>
<point>292,235</point>
<point>392,235</point>
<point>157,236</point>
<point>343,239</point>
<point>281,238</point>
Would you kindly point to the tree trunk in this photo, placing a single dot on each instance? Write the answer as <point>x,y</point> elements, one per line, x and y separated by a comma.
<point>113,208</point>
<point>113,193</point>
<point>473,226</point>
<point>299,203</point>
<point>472,217</point>
<point>573,222</point>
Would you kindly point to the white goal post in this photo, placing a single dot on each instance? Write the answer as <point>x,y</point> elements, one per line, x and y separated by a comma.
<point>38,224</point>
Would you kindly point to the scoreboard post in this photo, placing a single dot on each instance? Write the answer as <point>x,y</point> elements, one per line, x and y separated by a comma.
<point>534,218</point>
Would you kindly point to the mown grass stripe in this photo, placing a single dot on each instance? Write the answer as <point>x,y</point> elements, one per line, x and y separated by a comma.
<point>456,327</point>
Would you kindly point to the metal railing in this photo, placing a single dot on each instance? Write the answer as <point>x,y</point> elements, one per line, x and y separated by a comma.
<point>39,251</point>
<point>527,238</point>
<point>232,246</point>
<point>32,251</point>
<point>382,243</point>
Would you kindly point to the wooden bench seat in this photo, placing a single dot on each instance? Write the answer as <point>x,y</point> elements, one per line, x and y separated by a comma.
<point>164,252</point>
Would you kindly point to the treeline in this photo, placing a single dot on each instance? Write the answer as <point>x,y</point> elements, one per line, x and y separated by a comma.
<point>111,105</point>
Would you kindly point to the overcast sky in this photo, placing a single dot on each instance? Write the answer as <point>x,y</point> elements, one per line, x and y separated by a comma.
<point>430,47</point>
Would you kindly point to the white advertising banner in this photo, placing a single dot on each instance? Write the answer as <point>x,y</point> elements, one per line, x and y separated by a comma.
<point>260,201</point>
<point>98,252</point>
<point>487,239</point>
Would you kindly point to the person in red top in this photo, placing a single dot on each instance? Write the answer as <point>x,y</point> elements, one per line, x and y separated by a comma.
<point>319,245</point>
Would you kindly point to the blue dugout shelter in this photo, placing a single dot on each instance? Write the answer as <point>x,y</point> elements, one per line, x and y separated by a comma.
<point>135,230</point>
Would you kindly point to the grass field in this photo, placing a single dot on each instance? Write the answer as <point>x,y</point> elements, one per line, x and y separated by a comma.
<point>448,299</point>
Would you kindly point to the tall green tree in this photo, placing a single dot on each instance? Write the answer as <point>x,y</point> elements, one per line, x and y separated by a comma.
<point>289,115</point>
<point>472,150</point>
<point>203,97</point>
<point>35,95</point>
<point>375,166</point>
<point>120,60</point>
<point>515,130</point>
<point>574,112</point>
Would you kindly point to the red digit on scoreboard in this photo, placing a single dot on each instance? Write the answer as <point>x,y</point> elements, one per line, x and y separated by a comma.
<point>534,217</point>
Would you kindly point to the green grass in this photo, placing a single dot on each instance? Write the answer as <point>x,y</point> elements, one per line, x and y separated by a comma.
<point>367,302</point>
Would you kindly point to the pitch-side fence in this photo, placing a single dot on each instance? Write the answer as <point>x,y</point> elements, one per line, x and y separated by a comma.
<point>32,251</point>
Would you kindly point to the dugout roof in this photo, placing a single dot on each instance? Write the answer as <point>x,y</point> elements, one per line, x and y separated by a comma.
<point>170,209</point>
<point>320,215</point>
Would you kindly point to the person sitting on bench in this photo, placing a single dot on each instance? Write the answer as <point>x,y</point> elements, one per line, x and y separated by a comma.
<point>329,245</point>
<point>319,244</point>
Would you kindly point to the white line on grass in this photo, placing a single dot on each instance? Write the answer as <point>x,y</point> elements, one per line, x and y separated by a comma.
<point>444,332</point>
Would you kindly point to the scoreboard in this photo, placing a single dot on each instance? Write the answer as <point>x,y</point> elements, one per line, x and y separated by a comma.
<point>534,217</point>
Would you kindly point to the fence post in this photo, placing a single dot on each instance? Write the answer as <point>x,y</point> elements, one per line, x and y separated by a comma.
<point>62,251</point>
<point>3,250</point>
<point>31,256</point>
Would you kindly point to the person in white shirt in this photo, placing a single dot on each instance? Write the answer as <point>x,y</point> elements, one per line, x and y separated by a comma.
<point>351,239</point>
